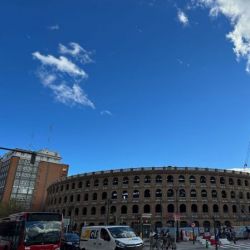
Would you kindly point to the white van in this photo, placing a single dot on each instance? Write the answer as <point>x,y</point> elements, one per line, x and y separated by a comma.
<point>109,238</point>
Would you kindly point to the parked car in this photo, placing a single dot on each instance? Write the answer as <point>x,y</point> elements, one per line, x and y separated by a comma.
<point>70,241</point>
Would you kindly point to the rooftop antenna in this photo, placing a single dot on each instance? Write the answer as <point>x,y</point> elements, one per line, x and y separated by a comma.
<point>247,157</point>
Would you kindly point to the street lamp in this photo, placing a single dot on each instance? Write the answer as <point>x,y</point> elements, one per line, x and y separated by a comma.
<point>107,203</point>
<point>215,234</point>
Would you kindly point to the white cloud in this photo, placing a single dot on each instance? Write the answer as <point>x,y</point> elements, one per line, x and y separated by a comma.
<point>65,87</point>
<point>182,17</point>
<point>54,27</point>
<point>106,112</point>
<point>61,64</point>
<point>76,51</point>
<point>241,169</point>
<point>238,12</point>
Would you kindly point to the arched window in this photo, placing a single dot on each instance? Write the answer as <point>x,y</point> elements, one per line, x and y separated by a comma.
<point>212,180</point>
<point>124,209</point>
<point>136,194</point>
<point>147,193</point>
<point>86,197</point>
<point>234,209</point>
<point>105,182</point>
<point>225,208</point>
<point>170,179</point>
<point>181,179</point>
<point>125,180</point>
<point>96,183</point>
<point>239,182</point>
<point>103,210</point>
<point>78,197</point>
<point>215,208</point>
<point>135,209</point>
<point>203,193</point>
<point>170,193</point>
<point>146,209</point>
<point>79,184</point>
<point>248,195</point>
<point>113,210</point>
<point>222,181</point>
<point>241,195</point>
<point>183,208</point>
<point>71,198</point>
<point>125,195</point>
<point>104,196</point>
<point>193,193</point>
<point>158,193</point>
<point>214,194</point>
<point>114,195</point>
<point>246,183</point>
<point>202,179</point>
<point>170,208</point>
<point>158,208</point>
<point>147,179</point>
<point>94,196</point>
<point>205,208</point>
<point>231,181</point>
<point>223,194</point>
<point>73,185</point>
<point>194,208</point>
<point>158,179</point>
<point>192,179</point>
<point>65,199</point>
<point>84,211</point>
<point>93,211</point>
<point>182,193</point>
<point>87,183</point>
<point>136,180</point>
<point>232,194</point>
<point>115,181</point>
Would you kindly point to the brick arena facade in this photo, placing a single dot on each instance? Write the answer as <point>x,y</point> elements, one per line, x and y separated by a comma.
<point>149,197</point>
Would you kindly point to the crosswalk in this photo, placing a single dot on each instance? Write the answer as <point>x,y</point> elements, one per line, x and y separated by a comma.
<point>239,246</point>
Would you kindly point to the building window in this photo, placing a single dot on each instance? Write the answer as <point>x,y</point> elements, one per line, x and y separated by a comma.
<point>215,208</point>
<point>73,186</point>
<point>181,179</point>
<point>104,196</point>
<point>147,179</point>
<point>124,195</point>
<point>205,208</point>
<point>86,197</point>
<point>136,180</point>
<point>79,184</point>
<point>115,181</point>
<point>93,211</point>
<point>182,193</point>
<point>103,210</point>
<point>158,193</point>
<point>231,181</point>
<point>125,180</point>
<point>158,208</point>
<point>223,194</point>
<point>136,194</point>
<point>239,182</point>
<point>192,179</point>
<point>71,198</point>
<point>158,179</point>
<point>222,181</point>
<point>87,184</point>
<point>114,195</point>
<point>105,182</point>
<point>113,210</point>
<point>146,209</point>
<point>170,179</point>
<point>76,211</point>
<point>214,194</point>
<point>94,196</point>
<point>170,208</point>
<point>96,183</point>
<point>246,183</point>
<point>183,208</point>
<point>241,195</point>
<point>61,188</point>
<point>232,194</point>
<point>67,186</point>
<point>202,179</point>
<point>170,193</point>
<point>225,209</point>
<point>212,180</point>
<point>194,208</point>
<point>65,199</point>
<point>147,193</point>
<point>248,195</point>
<point>193,193</point>
<point>124,209</point>
<point>78,198</point>
<point>135,209</point>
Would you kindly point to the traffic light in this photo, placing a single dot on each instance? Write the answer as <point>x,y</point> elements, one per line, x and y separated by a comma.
<point>33,158</point>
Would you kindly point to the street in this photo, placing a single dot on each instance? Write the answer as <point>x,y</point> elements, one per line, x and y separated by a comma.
<point>240,245</point>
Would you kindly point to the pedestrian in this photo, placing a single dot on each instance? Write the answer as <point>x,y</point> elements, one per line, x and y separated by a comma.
<point>156,241</point>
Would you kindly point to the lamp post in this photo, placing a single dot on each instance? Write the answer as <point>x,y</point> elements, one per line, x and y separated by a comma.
<point>108,202</point>
<point>215,234</point>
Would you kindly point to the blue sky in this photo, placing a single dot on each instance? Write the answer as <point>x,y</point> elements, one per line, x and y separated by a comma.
<point>113,84</point>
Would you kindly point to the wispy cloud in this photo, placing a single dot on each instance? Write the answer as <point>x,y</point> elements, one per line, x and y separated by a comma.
<point>54,27</point>
<point>63,77</point>
<point>75,50</point>
<point>106,112</point>
<point>183,18</point>
<point>61,64</point>
<point>238,13</point>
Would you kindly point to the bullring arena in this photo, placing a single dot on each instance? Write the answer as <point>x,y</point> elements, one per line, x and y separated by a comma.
<point>146,198</point>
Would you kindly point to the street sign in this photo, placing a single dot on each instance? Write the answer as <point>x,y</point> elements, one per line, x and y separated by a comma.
<point>193,225</point>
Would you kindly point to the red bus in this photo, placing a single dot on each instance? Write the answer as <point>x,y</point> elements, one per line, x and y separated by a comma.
<point>31,231</point>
